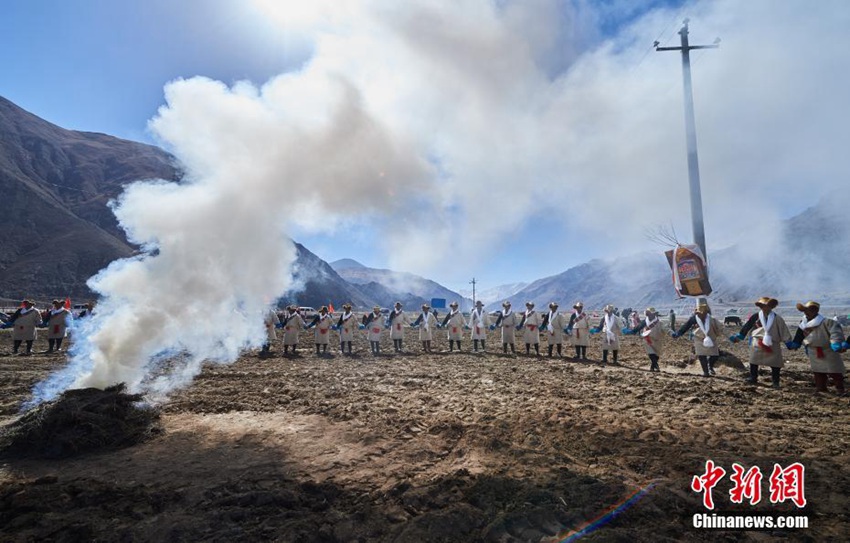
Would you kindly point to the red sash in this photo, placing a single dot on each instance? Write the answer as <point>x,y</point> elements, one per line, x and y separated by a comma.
<point>477,330</point>
<point>454,330</point>
<point>376,330</point>
<point>55,328</point>
<point>767,349</point>
<point>819,352</point>
<point>531,327</point>
<point>323,330</point>
<point>648,340</point>
<point>398,327</point>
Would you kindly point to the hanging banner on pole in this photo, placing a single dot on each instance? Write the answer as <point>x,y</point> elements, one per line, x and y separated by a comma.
<point>690,270</point>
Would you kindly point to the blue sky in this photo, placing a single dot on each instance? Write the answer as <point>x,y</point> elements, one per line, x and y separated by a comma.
<point>100,65</point>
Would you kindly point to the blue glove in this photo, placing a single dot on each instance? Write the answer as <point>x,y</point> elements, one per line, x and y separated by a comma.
<point>626,331</point>
<point>466,327</point>
<point>594,330</point>
<point>279,325</point>
<point>414,326</point>
<point>736,338</point>
<point>492,327</point>
<point>335,327</point>
<point>674,334</point>
<point>567,331</point>
<point>836,347</point>
<point>519,327</point>
<point>792,345</point>
<point>361,326</point>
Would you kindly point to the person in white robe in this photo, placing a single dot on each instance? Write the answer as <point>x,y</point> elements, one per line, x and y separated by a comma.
<point>271,321</point>
<point>25,320</point>
<point>610,325</point>
<point>426,322</point>
<point>707,334</point>
<point>823,340</point>
<point>346,325</point>
<point>396,321</point>
<point>479,321</point>
<point>454,323</point>
<point>579,329</point>
<point>507,321</point>
<point>374,325</point>
<point>322,324</point>
<point>554,326</point>
<point>768,332</point>
<point>651,336</point>
<point>292,324</point>
<point>530,326</point>
<point>58,320</point>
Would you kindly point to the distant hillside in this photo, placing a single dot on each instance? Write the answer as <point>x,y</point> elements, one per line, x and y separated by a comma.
<point>57,229</point>
<point>412,290</point>
<point>318,284</point>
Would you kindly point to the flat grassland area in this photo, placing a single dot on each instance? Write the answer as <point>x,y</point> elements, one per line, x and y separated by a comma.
<point>439,447</point>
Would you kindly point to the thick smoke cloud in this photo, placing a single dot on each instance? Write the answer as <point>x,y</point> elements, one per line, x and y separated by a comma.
<point>216,253</point>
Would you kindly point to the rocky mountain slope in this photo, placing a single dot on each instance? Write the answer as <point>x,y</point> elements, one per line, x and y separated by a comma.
<point>387,286</point>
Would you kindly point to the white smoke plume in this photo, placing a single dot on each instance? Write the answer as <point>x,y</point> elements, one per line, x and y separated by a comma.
<point>452,126</point>
<point>216,254</point>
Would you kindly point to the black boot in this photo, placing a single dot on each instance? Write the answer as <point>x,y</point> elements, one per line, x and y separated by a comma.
<point>59,344</point>
<point>711,361</point>
<point>52,342</point>
<point>451,345</point>
<point>653,358</point>
<point>29,346</point>
<point>513,348</point>
<point>703,362</point>
<point>504,348</point>
<point>459,348</point>
<point>527,349</point>
<point>483,348</point>
<point>615,356</point>
<point>584,352</point>
<point>324,348</point>
<point>475,345</point>
<point>429,346</point>
<point>550,350</point>
<point>424,346</point>
<point>578,352</point>
<point>774,375</point>
<point>318,351</point>
<point>537,348</point>
<point>560,355</point>
<point>604,357</point>
<point>400,346</point>
<point>754,374</point>
<point>16,344</point>
<point>285,350</point>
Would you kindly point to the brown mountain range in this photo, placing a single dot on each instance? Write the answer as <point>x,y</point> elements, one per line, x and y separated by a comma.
<point>57,230</point>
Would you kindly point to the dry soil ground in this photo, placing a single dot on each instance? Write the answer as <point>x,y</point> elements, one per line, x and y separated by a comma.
<point>440,447</point>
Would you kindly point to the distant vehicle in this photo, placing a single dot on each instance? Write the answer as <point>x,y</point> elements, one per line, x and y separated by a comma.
<point>307,312</point>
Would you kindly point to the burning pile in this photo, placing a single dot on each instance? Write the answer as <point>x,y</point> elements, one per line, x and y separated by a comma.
<point>81,421</point>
